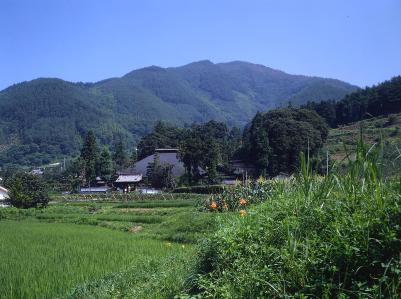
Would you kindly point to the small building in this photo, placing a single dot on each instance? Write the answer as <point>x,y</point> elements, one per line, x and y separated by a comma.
<point>127,182</point>
<point>3,193</point>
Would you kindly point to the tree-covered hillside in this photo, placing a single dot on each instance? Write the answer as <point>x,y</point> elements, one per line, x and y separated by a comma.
<point>380,100</point>
<point>46,119</point>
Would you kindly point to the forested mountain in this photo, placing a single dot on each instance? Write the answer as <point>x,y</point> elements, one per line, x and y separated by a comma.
<point>45,119</point>
<point>380,100</point>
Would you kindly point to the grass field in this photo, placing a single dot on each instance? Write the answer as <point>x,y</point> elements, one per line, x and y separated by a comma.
<point>99,249</point>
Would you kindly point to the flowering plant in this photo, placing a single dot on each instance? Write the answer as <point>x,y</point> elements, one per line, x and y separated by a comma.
<point>239,196</point>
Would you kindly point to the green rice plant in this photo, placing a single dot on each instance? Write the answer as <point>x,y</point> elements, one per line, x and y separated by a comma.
<point>149,278</point>
<point>42,260</point>
<point>130,218</point>
<point>158,204</point>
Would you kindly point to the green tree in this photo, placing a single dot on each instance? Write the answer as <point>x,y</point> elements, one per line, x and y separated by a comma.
<point>209,146</point>
<point>276,138</point>
<point>160,174</point>
<point>105,165</point>
<point>134,155</point>
<point>120,156</point>
<point>163,136</point>
<point>27,191</point>
<point>89,156</point>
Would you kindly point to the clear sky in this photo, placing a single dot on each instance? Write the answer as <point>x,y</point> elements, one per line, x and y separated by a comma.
<point>358,41</point>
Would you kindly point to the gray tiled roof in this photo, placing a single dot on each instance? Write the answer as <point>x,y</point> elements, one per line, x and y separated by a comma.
<point>122,178</point>
<point>140,166</point>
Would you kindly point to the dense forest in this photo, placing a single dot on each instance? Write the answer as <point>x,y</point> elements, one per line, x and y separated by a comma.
<point>383,99</point>
<point>47,119</point>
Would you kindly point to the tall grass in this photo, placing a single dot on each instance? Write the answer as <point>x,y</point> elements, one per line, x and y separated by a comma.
<point>337,236</point>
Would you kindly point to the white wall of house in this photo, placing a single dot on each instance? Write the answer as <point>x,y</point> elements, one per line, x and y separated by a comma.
<point>3,193</point>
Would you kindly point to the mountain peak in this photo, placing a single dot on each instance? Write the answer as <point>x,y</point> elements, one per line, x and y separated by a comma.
<point>48,115</point>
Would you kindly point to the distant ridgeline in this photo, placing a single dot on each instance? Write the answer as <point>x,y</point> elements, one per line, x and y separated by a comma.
<point>45,120</point>
<point>382,99</point>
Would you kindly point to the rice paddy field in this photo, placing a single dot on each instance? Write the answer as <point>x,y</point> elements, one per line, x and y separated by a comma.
<point>107,249</point>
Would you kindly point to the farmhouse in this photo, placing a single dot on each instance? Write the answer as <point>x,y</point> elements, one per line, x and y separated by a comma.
<point>3,193</point>
<point>166,155</point>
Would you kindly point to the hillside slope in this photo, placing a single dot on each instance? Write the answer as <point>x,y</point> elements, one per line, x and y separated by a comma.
<point>45,119</point>
<point>342,140</point>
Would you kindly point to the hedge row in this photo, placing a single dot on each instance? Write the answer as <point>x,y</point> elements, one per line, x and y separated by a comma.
<point>206,189</point>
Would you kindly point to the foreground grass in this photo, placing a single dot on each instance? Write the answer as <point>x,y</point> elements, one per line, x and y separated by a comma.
<point>41,260</point>
<point>313,237</point>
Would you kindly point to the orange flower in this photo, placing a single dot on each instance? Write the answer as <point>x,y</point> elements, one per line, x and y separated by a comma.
<point>213,205</point>
<point>242,212</point>
<point>242,201</point>
<point>225,206</point>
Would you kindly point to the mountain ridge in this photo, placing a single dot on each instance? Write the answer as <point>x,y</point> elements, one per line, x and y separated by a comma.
<point>46,118</point>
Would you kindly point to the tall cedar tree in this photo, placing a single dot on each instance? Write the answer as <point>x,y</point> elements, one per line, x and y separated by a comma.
<point>89,155</point>
<point>105,165</point>
<point>120,156</point>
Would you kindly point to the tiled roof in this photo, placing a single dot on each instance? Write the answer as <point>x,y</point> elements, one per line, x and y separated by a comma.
<point>129,178</point>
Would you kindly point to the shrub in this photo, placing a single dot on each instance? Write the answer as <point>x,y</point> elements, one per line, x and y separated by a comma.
<point>206,189</point>
<point>27,191</point>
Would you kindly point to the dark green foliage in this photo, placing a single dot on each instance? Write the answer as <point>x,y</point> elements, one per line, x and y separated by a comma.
<point>27,191</point>
<point>105,165</point>
<point>380,100</point>
<point>206,146</point>
<point>120,157</point>
<point>163,136</point>
<point>134,155</point>
<point>46,119</point>
<point>275,139</point>
<point>89,157</point>
<point>160,174</point>
<point>202,189</point>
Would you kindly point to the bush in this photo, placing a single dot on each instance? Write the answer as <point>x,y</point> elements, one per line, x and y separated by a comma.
<point>206,189</point>
<point>27,191</point>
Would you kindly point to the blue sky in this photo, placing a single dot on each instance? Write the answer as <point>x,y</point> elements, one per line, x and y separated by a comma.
<point>358,41</point>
